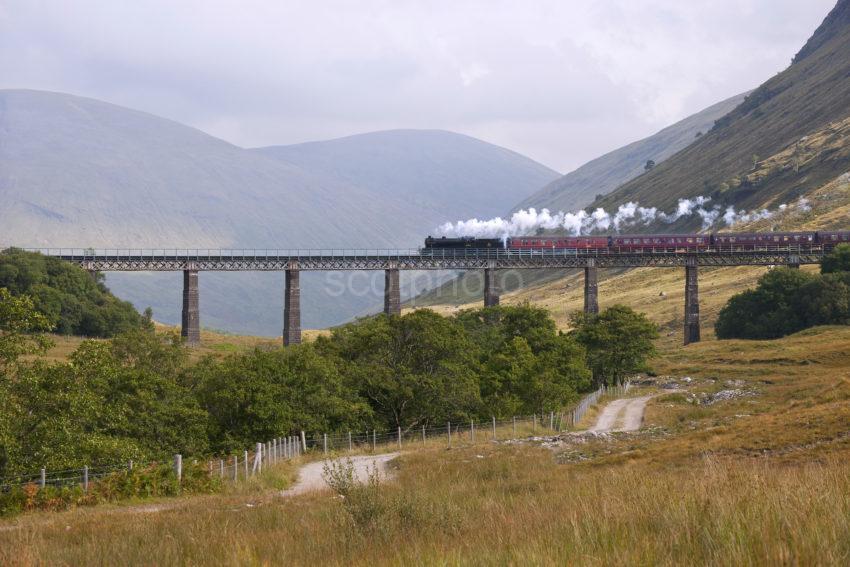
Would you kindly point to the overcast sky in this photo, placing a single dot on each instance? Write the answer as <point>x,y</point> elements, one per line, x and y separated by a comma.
<point>561,81</point>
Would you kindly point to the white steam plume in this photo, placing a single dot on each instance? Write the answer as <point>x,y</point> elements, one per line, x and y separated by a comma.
<point>631,214</point>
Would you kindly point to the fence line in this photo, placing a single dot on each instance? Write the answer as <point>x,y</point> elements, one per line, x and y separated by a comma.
<point>281,449</point>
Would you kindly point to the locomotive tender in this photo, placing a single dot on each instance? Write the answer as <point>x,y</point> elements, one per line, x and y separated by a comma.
<point>719,241</point>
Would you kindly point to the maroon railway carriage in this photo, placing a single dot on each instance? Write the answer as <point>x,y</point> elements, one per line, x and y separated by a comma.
<point>629,242</point>
<point>763,240</point>
<point>557,242</point>
<point>832,238</point>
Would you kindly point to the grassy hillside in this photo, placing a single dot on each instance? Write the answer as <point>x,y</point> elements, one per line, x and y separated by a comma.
<point>602,175</point>
<point>811,93</point>
<point>755,477</point>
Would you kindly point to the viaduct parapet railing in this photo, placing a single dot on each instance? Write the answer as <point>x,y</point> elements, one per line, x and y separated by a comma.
<point>292,262</point>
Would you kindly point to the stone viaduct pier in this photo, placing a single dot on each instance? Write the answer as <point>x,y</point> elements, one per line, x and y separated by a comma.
<point>292,263</point>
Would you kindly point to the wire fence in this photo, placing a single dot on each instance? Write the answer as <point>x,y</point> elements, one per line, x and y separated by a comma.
<point>251,462</point>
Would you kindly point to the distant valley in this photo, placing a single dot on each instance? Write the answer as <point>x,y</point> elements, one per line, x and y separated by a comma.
<point>78,172</point>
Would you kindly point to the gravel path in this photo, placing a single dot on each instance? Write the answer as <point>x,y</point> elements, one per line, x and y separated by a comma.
<point>310,476</point>
<point>626,412</point>
<point>608,418</point>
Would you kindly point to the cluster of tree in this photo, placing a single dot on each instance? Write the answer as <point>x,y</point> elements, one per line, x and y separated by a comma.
<point>74,302</point>
<point>787,300</point>
<point>137,396</point>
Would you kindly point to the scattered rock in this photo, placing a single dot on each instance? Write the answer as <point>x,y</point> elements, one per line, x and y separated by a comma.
<point>724,395</point>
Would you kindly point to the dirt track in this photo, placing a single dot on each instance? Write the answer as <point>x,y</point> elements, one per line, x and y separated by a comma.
<point>310,476</point>
<point>626,412</point>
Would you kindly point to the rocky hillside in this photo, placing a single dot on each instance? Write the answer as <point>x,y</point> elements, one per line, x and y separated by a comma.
<point>77,172</point>
<point>602,175</point>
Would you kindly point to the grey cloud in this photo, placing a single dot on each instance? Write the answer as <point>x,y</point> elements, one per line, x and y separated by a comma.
<point>558,81</point>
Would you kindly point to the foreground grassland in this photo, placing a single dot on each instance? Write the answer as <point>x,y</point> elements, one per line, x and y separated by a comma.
<point>758,476</point>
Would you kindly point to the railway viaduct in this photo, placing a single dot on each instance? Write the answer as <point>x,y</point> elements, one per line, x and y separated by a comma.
<point>292,263</point>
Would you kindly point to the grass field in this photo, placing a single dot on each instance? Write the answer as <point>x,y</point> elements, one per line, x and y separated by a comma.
<point>761,477</point>
<point>213,343</point>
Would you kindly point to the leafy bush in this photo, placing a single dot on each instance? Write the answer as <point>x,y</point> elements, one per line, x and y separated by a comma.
<point>786,301</point>
<point>150,481</point>
<point>770,311</point>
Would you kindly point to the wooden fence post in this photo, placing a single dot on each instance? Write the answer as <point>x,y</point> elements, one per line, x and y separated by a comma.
<point>245,459</point>
<point>86,478</point>
<point>551,420</point>
<point>494,428</point>
<point>221,468</point>
<point>449,431</point>
<point>472,431</point>
<point>423,434</point>
<point>303,442</point>
<point>514,420</point>
<point>349,442</point>
<point>130,466</point>
<point>325,443</point>
<point>534,424</point>
<point>374,440</point>
<point>42,481</point>
<point>178,467</point>
<point>235,468</point>
<point>399,437</point>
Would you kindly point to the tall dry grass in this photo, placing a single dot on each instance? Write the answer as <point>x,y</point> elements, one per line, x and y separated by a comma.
<point>484,506</point>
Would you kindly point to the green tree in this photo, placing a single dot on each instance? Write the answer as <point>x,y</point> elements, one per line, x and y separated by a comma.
<point>771,310</point>
<point>838,260</point>
<point>74,302</point>
<point>112,401</point>
<point>417,369</point>
<point>21,334</point>
<point>526,365</point>
<point>825,300</point>
<point>618,340</point>
<point>22,329</point>
<point>256,396</point>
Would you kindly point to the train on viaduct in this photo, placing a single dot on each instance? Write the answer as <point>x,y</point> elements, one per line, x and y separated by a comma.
<point>587,253</point>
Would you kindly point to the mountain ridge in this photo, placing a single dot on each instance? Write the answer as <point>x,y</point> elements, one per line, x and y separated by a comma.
<point>78,172</point>
<point>811,93</point>
<point>600,176</point>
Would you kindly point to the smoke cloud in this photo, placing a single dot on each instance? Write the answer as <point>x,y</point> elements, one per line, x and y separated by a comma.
<point>629,215</point>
